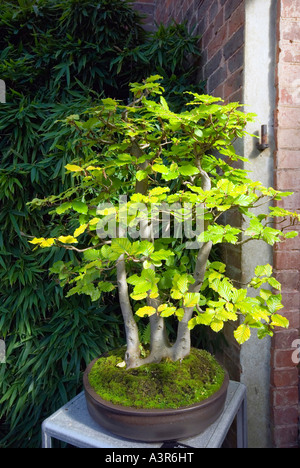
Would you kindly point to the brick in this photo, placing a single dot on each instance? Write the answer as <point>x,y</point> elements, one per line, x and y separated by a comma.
<point>290,96</point>
<point>213,64</point>
<point>289,279</point>
<point>290,203</point>
<point>218,21</point>
<point>219,91</point>
<point>289,74</point>
<point>293,317</point>
<point>289,117</point>
<point>233,83</point>
<point>290,244</point>
<point>287,396</point>
<point>152,2</point>
<point>288,179</point>
<point>236,61</point>
<point>285,260</point>
<point>290,52</point>
<point>284,377</point>
<point>285,416</point>
<point>236,20</point>
<point>290,30</point>
<point>217,41</point>
<point>288,138</point>
<point>288,159</point>
<point>216,79</point>
<point>213,11</point>
<point>206,38</point>
<point>291,299</point>
<point>144,8</point>
<point>284,339</point>
<point>203,7</point>
<point>290,8</point>
<point>236,97</point>
<point>234,43</point>
<point>231,6</point>
<point>283,358</point>
<point>285,436</point>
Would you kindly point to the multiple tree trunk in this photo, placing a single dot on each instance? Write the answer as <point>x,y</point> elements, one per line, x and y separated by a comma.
<point>160,347</point>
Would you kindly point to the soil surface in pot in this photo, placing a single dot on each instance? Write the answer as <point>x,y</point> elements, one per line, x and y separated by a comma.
<point>164,385</point>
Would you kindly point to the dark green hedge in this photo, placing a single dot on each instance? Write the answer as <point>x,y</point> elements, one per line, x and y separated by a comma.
<point>57,58</point>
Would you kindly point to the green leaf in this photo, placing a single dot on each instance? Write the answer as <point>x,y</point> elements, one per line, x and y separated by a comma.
<point>134,280</point>
<point>164,103</point>
<point>80,207</point>
<point>255,229</point>
<point>162,254</point>
<point>63,207</point>
<point>274,303</point>
<point>225,290</point>
<point>291,234</point>
<point>198,133</point>
<point>264,270</point>
<point>271,236</point>
<point>274,283</point>
<point>160,168</point>
<point>121,245</point>
<point>188,170</point>
<point>265,294</point>
<point>105,286</point>
<point>146,248</point>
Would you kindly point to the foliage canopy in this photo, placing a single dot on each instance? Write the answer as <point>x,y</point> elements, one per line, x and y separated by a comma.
<point>156,157</point>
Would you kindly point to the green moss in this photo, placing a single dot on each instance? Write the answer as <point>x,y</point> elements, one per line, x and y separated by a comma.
<point>164,385</point>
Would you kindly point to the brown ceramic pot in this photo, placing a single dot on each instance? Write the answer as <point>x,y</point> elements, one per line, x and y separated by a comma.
<point>154,425</point>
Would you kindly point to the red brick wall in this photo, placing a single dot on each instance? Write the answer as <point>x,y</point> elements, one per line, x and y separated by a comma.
<point>284,376</point>
<point>147,9</point>
<point>220,23</point>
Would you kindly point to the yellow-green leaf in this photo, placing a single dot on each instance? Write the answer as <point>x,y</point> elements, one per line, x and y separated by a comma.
<point>47,243</point>
<point>168,311</point>
<point>242,333</point>
<point>73,168</point>
<point>67,240</point>
<point>138,297</point>
<point>80,230</point>
<point>121,364</point>
<point>37,240</point>
<point>94,221</point>
<point>179,314</point>
<point>191,299</point>
<point>146,311</point>
<point>279,321</point>
<point>217,325</point>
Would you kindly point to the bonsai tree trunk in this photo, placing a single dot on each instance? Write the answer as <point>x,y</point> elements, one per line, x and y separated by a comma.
<point>160,346</point>
<point>182,346</point>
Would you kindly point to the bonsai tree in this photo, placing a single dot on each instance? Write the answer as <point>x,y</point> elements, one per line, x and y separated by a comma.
<point>151,192</point>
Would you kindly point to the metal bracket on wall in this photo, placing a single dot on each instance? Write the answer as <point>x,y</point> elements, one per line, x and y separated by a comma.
<point>263,144</point>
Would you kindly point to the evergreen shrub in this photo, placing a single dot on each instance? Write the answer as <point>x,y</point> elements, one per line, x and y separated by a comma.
<point>59,57</point>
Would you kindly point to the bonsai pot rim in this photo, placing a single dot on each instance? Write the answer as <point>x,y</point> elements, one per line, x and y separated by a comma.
<point>157,424</point>
<point>153,411</point>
